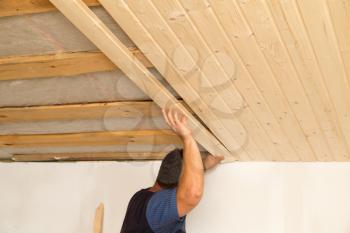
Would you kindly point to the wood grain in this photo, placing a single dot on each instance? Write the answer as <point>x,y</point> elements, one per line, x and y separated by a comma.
<point>95,156</point>
<point>176,76</point>
<point>21,7</point>
<point>124,109</point>
<point>98,221</point>
<point>90,25</point>
<point>60,64</point>
<point>136,137</point>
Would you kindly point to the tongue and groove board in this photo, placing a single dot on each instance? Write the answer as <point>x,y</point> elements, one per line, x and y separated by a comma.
<point>95,30</point>
<point>220,68</point>
<point>299,46</point>
<point>210,75</point>
<point>330,49</point>
<point>286,108</point>
<point>288,78</point>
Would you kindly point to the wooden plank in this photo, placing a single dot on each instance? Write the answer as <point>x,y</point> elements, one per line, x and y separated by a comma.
<point>198,27</point>
<point>339,15</point>
<point>217,71</point>
<point>193,79</point>
<point>201,32</point>
<point>269,102</point>
<point>317,21</point>
<point>95,156</point>
<point>125,109</point>
<point>276,54</point>
<point>98,221</point>
<point>136,137</point>
<point>177,78</point>
<point>61,64</point>
<point>86,21</point>
<point>20,7</point>
<point>294,34</point>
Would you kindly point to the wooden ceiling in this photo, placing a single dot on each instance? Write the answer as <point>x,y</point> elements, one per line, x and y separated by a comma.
<point>269,79</point>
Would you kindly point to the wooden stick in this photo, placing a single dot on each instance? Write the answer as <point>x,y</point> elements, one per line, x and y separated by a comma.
<point>98,222</point>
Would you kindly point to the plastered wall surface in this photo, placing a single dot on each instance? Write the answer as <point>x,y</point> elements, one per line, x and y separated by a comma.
<point>239,197</point>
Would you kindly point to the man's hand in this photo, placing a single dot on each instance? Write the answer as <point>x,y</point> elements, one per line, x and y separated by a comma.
<point>211,161</point>
<point>177,122</point>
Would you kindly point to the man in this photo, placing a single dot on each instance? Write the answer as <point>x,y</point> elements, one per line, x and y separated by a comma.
<point>177,190</point>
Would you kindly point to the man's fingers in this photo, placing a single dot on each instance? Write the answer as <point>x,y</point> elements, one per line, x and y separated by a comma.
<point>171,118</point>
<point>176,117</point>
<point>217,157</point>
<point>165,116</point>
<point>184,119</point>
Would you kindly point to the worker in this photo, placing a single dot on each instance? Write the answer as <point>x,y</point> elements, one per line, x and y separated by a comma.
<point>178,187</point>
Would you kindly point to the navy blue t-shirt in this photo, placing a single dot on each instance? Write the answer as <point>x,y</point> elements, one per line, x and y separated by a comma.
<point>162,214</point>
<point>156,212</point>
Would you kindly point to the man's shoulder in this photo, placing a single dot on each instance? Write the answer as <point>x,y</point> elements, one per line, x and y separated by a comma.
<point>141,194</point>
<point>162,214</point>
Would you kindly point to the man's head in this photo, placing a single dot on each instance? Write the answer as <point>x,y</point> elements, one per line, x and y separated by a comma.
<point>170,169</point>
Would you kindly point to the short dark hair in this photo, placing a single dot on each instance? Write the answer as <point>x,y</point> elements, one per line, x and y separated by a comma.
<point>170,169</point>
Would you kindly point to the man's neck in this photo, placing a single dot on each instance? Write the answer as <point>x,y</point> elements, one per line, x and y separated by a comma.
<point>156,187</point>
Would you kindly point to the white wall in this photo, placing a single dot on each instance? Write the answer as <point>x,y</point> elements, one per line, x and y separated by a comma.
<point>239,197</point>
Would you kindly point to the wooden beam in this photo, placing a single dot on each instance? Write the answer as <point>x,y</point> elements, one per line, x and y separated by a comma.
<point>21,7</point>
<point>95,156</point>
<point>98,221</point>
<point>90,25</point>
<point>136,137</point>
<point>125,109</point>
<point>61,64</point>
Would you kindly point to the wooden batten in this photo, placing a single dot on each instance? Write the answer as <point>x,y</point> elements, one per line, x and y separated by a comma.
<point>132,137</point>
<point>61,64</point>
<point>21,7</point>
<point>95,156</point>
<point>123,109</point>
